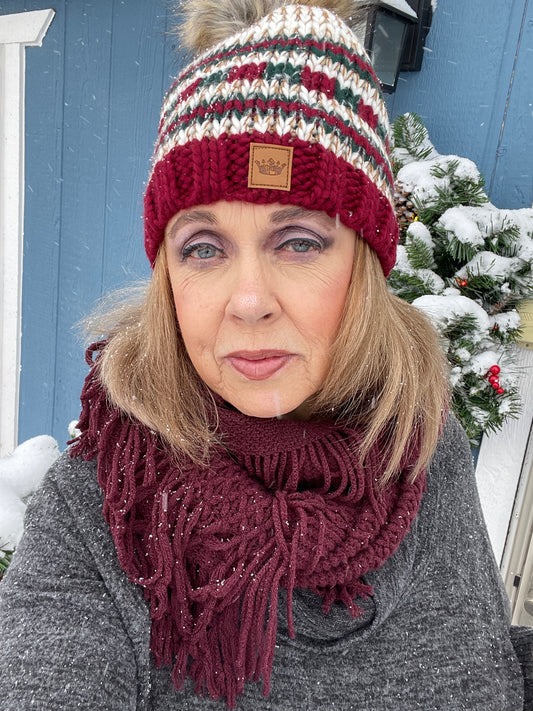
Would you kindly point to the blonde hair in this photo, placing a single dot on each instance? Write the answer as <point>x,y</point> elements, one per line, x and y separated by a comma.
<point>387,375</point>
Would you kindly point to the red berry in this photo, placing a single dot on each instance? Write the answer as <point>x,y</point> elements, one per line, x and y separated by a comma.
<point>500,391</point>
<point>495,369</point>
<point>496,384</point>
<point>493,379</point>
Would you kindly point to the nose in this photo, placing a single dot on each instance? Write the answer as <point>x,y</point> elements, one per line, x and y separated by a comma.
<point>253,298</point>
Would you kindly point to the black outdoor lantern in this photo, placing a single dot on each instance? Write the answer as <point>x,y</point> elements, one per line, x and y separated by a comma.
<point>395,34</point>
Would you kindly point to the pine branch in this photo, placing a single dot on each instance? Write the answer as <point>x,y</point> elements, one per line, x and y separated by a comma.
<point>510,335</point>
<point>460,329</point>
<point>5,560</point>
<point>466,406</point>
<point>407,286</point>
<point>409,133</point>
<point>460,191</point>
<point>506,303</point>
<point>419,253</point>
<point>504,242</point>
<point>521,281</point>
<point>428,212</point>
<point>447,265</point>
<point>460,252</point>
<point>484,289</point>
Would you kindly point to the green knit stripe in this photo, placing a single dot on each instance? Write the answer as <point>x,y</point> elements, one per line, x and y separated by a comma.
<point>288,45</point>
<point>212,88</point>
<point>218,121</point>
<point>348,95</point>
<point>277,67</point>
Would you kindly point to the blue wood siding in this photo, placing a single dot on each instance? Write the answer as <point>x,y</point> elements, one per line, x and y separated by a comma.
<point>92,102</point>
<point>93,92</point>
<point>475,91</point>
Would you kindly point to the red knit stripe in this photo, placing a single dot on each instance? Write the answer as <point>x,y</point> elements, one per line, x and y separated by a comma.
<point>366,112</point>
<point>249,71</point>
<point>324,47</point>
<point>312,81</point>
<point>189,90</point>
<point>219,109</point>
<point>305,71</point>
<point>318,81</point>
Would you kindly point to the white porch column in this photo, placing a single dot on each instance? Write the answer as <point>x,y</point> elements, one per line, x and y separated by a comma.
<point>16,32</point>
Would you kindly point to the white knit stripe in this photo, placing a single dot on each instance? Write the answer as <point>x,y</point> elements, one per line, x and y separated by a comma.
<point>346,78</point>
<point>280,91</point>
<point>285,23</point>
<point>270,123</point>
<point>299,21</point>
<point>231,125</point>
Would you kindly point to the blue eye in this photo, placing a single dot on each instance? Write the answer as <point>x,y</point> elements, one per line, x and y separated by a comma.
<point>301,245</point>
<point>200,251</point>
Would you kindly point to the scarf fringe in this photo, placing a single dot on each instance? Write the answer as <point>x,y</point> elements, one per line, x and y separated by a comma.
<point>212,546</point>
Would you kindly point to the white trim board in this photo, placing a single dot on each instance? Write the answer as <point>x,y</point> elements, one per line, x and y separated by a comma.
<point>27,28</point>
<point>16,32</point>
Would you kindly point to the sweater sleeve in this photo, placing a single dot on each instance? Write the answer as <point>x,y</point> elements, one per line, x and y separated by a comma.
<point>63,642</point>
<point>522,639</point>
<point>466,592</point>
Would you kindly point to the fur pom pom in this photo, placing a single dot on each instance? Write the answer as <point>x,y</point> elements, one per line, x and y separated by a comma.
<point>204,23</point>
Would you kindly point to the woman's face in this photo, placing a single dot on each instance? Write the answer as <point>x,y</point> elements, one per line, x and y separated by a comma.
<point>259,292</point>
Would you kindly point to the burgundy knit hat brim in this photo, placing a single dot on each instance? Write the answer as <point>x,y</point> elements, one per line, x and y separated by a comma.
<point>205,171</point>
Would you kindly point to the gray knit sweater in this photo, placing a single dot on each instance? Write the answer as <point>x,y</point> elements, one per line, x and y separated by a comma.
<point>74,632</point>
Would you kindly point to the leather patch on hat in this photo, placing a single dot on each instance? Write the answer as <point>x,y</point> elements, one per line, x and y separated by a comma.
<point>270,166</point>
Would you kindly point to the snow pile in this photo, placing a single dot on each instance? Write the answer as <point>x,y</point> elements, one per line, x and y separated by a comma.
<point>507,321</point>
<point>418,230</point>
<point>424,179</point>
<point>73,430</point>
<point>444,310</point>
<point>481,362</point>
<point>494,265</point>
<point>460,222</point>
<point>20,474</point>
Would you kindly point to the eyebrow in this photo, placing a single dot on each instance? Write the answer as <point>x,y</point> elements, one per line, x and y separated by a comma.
<point>293,212</point>
<point>194,216</point>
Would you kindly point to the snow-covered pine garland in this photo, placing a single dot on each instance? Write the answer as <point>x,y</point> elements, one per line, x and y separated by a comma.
<point>20,474</point>
<point>468,265</point>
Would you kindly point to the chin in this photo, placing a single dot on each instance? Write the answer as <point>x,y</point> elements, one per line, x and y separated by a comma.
<point>260,411</point>
<point>267,406</point>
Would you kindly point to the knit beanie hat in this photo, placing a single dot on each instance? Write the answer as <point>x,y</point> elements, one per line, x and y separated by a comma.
<point>285,110</point>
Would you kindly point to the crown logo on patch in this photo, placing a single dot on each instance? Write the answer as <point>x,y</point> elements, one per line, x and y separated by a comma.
<point>270,166</point>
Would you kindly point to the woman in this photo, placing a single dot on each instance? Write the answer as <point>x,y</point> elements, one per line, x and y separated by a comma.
<point>257,427</point>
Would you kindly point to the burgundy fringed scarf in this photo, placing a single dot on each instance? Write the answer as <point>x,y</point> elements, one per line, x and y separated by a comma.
<point>283,504</point>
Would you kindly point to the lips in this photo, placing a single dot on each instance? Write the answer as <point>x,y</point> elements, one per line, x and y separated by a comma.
<point>259,365</point>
